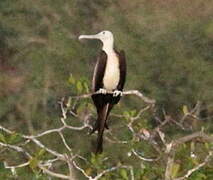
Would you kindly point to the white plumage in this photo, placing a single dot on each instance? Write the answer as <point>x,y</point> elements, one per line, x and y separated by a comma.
<point>112,72</point>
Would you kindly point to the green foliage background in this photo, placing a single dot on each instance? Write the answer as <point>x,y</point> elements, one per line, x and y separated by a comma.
<point>169,49</point>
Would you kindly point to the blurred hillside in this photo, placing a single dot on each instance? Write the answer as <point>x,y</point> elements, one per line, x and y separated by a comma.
<point>168,44</point>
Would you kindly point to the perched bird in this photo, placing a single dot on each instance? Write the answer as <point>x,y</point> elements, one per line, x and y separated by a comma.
<point>108,80</point>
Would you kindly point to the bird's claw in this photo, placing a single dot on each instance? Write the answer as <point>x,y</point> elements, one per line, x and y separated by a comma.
<point>102,91</point>
<point>117,93</point>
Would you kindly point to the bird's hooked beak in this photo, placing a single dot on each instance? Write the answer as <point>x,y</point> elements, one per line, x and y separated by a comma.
<point>95,36</point>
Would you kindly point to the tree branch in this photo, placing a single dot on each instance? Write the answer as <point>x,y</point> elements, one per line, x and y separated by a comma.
<point>125,93</point>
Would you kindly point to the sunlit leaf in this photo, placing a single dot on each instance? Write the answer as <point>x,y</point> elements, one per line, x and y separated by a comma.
<point>69,102</point>
<point>123,174</point>
<point>2,138</point>
<point>185,110</point>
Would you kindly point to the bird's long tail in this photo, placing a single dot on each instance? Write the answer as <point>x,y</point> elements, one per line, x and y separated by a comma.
<point>101,121</point>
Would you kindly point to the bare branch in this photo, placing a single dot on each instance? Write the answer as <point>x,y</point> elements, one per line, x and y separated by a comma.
<point>143,158</point>
<point>16,148</point>
<point>64,141</point>
<point>51,173</point>
<point>169,165</point>
<point>16,166</point>
<point>6,130</point>
<point>198,134</point>
<point>81,170</point>
<point>60,156</point>
<point>140,113</point>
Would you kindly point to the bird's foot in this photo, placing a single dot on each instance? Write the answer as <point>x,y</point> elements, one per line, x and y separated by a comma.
<point>117,93</point>
<point>102,91</point>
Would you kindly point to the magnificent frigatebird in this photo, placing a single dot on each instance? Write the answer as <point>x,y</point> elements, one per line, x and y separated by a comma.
<point>108,80</point>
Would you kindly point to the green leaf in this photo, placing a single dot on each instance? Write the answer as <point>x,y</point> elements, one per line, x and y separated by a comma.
<point>34,163</point>
<point>201,176</point>
<point>133,112</point>
<point>123,174</point>
<point>175,169</point>
<point>41,153</point>
<point>207,146</point>
<point>93,159</point>
<point>97,160</point>
<point>81,108</point>
<point>86,86</point>
<point>79,86</point>
<point>126,114</point>
<point>71,79</point>
<point>14,138</point>
<point>2,138</point>
<point>35,160</point>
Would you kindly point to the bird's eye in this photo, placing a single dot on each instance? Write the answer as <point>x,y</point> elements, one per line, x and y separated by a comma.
<point>103,32</point>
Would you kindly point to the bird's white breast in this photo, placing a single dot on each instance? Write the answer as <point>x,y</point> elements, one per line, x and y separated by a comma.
<point>112,72</point>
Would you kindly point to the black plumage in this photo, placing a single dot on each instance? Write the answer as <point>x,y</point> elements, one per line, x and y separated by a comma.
<point>105,102</point>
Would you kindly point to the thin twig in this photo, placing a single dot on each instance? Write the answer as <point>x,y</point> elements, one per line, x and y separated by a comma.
<point>143,158</point>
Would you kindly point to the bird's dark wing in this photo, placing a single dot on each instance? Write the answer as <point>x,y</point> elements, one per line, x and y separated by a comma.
<point>97,81</point>
<point>122,66</point>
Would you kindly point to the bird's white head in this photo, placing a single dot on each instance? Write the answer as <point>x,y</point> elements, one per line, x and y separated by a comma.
<point>106,38</point>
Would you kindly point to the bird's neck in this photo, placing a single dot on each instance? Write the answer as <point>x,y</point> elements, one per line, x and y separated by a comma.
<point>108,47</point>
